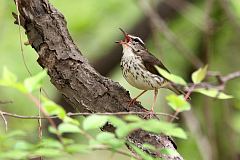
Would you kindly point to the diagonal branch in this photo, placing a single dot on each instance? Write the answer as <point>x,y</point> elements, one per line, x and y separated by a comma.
<point>84,88</point>
<point>161,25</point>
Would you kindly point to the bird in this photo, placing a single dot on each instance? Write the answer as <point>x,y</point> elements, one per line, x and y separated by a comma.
<point>139,68</point>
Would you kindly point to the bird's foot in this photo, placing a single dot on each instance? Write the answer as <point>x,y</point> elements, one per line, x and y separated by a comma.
<point>149,114</point>
<point>132,102</point>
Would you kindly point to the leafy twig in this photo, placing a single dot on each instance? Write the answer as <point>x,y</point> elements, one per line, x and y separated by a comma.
<point>83,114</point>
<point>38,104</point>
<point>222,80</point>
<point>186,97</point>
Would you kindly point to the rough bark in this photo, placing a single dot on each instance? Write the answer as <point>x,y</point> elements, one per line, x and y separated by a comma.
<point>84,88</point>
<point>168,10</point>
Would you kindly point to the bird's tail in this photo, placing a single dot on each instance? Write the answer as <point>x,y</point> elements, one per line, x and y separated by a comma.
<point>177,90</point>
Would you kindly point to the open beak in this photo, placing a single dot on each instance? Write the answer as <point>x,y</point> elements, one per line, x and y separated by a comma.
<point>126,37</point>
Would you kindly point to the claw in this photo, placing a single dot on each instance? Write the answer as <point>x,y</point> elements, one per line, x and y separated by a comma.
<point>149,114</point>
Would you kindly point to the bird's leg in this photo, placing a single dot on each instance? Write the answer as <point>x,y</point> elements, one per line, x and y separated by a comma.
<point>154,99</point>
<point>151,112</point>
<point>133,101</point>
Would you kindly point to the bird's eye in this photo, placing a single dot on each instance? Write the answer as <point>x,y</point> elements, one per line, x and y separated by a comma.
<point>137,40</point>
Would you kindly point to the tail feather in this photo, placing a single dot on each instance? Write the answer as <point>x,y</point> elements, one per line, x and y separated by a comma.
<point>177,90</point>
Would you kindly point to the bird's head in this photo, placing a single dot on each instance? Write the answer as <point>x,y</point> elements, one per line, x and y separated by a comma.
<point>134,42</point>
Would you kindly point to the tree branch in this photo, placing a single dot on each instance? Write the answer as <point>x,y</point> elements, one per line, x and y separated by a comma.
<point>161,25</point>
<point>72,75</point>
<point>82,114</point>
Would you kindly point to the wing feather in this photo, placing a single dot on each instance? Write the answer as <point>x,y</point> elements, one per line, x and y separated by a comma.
<point>149,61</point>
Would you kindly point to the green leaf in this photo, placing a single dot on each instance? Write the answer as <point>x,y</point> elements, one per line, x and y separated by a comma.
<point>167,128</point>
<point>48,152</point>
<point>109,139</point>
<point>77,148</point>
<point>149,146</point>
<point>35,81</point>
<point>16,133</point>
<point>132,118</point>
<point>123,131</point>
<point>51,143</point>
<point>94,122</point>
<point>8,76</point>
<point>155,126</point>
<point>117,122</point>
<point>141,153</point>
<point>171,77</point>
<point>177,132</point>
<point>178,103</point>
<point>199,75</point>
<point>53,130</point>
<point>52,108</point>
<point>213,93</point>
<point>10,80</point>
<point>14,154</point>
<point>67,141</point>
<point>104,136</point>
<point>23,145</point>
<point>68,128</point>
<point>67,119</point>
<point>168,151</point>
<point>20,87</point>
<point>94,143</point>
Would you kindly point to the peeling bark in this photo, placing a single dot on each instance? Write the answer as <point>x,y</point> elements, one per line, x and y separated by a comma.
<point>83,87</point>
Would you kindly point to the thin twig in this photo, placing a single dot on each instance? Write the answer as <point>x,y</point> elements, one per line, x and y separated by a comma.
<point>40,120</point>
<point>37,103</point>
<point>222,80</point>
<point>20,39</point>
<point>83,114</point>
<point>21,45</point>
<point>230,76</point>
<point>4,120</point>
<point>175,114</point>
<point>186,97</point>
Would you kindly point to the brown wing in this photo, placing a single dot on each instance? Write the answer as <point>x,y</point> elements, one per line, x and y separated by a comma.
<point>150,61</point>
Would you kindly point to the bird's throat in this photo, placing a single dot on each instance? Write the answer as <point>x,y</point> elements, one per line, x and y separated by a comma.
<point>127,51</point>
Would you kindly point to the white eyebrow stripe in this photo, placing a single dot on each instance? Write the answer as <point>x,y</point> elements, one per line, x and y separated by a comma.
<point>134,37</point>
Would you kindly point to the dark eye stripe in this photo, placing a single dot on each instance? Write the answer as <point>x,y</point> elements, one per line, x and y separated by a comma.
<point>136,39</point>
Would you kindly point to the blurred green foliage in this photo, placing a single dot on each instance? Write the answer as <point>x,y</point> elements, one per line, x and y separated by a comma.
<point>48,147</point>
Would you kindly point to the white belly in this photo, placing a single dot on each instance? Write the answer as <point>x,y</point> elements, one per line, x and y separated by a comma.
<point>138,76</point>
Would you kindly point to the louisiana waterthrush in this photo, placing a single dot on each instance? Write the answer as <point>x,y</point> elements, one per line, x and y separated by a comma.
<point>139,68</point>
